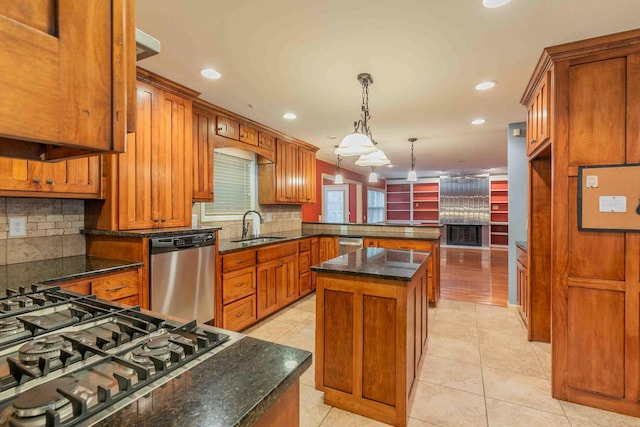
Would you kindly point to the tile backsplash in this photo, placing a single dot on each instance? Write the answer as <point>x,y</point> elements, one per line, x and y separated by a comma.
<point>277,218</point>
<point>52,229</point>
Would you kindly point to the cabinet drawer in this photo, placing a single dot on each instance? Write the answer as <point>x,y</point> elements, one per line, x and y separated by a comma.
<point>238,260</point>
<point>305,283</point>
<point>82,287</point>
<point>277,251</point>
<point>238,284</point>
<point>239,314</point>
<point>522,256</point>
<point>304,245</point>
<point>116,286</point>
<point>132,300</point>
<point>304,262</point>
<point>405,245</point>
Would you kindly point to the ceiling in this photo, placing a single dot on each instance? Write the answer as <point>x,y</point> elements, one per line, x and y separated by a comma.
<point>425,57</point>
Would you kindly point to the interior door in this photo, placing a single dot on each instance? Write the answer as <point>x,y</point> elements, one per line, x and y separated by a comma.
<point>336,203</point>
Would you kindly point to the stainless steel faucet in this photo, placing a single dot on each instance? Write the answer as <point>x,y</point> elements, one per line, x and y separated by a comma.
<point>245,226</point>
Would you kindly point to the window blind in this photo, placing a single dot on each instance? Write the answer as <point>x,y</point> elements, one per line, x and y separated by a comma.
<point>232,180</point>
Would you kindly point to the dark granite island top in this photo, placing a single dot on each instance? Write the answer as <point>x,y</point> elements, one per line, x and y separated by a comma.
<point>232,388</point>
<point>57,270</point>
<point>376,263</point>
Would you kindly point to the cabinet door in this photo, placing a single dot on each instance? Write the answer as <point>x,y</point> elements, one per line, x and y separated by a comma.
<point>204,124</point>
<point>289,283</point>
<point>77,176</point>
<point>286,172</point>
<point>52,52</point>
<point>14,175</point>
<point>307,176</point>
<point>228,128</point>
<point>328,248</point>
<point>248,135</point>
<point>269,274</point>
<point>134,166</point>
<point>266,141</point>
<point>171,159</point>
<point>538,116</point>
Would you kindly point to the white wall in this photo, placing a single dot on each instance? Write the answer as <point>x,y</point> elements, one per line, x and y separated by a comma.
<point>517,166</point>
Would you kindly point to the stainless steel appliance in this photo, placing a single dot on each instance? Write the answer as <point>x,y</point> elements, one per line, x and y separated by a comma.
<point>68,359</point>
<point>182,271</point>
<point>349,244</point>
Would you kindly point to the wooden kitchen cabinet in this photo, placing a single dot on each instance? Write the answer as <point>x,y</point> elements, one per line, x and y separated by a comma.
<point>266,141</point>
<point>539,115</point>
<point>277,276</point>
<point>248,134</point>
<point>203,129</point>
<point>327,248</point>
<point>122,287</point>
<point>291,180</point>
<point>228,127</point>
<point>52,53</point>
<point>432,246</point>
<point>238,290</point>
<point>522,284</point>
<point>304,264</point>
<point>77,178</point>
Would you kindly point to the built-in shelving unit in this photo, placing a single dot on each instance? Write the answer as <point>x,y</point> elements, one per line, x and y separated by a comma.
<point>417,202</point>
<point>499,212</point>
<point>426,200</point>
<point>398,202</point>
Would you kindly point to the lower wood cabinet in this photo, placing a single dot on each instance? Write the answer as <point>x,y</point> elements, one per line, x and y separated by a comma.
<point>522,284</point>
<point>122,287</point>
<point>277,284</point>
<point>327,248</point>
<point>239,314</point>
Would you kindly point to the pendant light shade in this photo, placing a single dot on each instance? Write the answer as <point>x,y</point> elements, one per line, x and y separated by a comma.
<point>373,176</point>
<point>377,158</point>
<point>412,176</point>
<point>337,179</point>
<point>360,141</point>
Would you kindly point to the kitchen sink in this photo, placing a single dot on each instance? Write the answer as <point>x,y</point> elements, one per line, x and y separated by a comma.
<point>257,240</point>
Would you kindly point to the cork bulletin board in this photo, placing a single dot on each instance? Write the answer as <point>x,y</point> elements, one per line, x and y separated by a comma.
<point>609,198</point>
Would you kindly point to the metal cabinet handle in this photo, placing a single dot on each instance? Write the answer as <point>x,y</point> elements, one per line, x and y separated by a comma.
<point>533,141</point>
<point>164,219</point>
<point>36,180</point>
<point>239,261</point>
<point>279,265</point>
<point>115,289</point>
<point>238,315</point>
<point>155,219</point>
<point>49,181</point>
<point>239,284</point>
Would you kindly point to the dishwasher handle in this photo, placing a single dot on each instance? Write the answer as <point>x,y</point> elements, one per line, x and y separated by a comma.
<point>168,244</point>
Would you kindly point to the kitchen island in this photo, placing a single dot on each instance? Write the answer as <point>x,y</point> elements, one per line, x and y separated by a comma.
<point>371,330</point>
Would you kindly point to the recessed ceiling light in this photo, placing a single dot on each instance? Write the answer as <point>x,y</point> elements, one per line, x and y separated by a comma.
<point>492,4</point>
<point>478,121</point>
<point>389,165</point>
<point>289,116</point>
<point>210,73</point>
<point>485,85</point>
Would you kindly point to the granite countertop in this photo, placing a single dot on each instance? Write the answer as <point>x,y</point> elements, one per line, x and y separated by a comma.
<point>522,244</point>
<point>52,271</point>
<point>152,232</point>
<point>377,263</point>
<point>232,388</point>
<point>380,224</point>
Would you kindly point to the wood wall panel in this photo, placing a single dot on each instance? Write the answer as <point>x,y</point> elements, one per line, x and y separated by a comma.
<point>379,349</point>
<point>338,326</point>
<point>596,341</point>
<point>595,255</point>
<point>633,114</point>
<point>597,109</point>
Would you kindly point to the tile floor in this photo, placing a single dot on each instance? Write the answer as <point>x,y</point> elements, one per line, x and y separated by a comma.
<point>479,371</point>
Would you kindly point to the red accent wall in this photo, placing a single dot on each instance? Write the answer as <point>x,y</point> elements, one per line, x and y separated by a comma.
<point>311,213</point>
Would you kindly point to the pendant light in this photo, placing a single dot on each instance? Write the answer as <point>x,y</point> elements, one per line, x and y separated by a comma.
<point>338,179</point>
<point>377,158</point>
<point>360,141</point>
<point>412,176</point>
<point>373,176</point>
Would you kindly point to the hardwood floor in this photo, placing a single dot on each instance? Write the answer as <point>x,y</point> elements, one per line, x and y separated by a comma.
<point>474,275</point>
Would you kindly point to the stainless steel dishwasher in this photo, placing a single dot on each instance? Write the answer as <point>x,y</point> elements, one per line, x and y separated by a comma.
<point>349,244</point>
<point>182,276</point>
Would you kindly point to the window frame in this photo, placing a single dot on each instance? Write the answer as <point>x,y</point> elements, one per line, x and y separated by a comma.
<point>384,204</point>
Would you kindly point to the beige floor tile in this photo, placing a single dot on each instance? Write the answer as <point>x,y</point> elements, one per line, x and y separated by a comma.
<point>453,374</point>
<point>485,310</point>
<point>295,316</point>
<point>454,330</point>
<point>299,337</point>
<point>309,376</point>
<point>308,304</point>
<point>417,423</point>
<point>500,323</point>
<point>584,416</point>
<point>456,305</point>
<point>339,418</point>
<point>514,360</point>
<point>445,406</point>
<point>450,348</point>
<point>312,407</point>
<point>467,318</point>
<point>511,338</point>
<point>270,330</point>
<point>520,389</point>
<point>504,414</point>
<point>541,346</point>
<point>544,357</point>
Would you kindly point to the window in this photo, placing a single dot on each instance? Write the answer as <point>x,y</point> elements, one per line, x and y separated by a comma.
<point>375,206</point>
<point>234,176</point>
<point>336,203</point>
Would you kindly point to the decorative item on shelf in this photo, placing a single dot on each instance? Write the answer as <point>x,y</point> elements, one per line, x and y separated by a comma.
<point>373,176</point>
<point>338,179</point>
<point>360,141</point>
<point>377,158</point>
<point>412,176</point>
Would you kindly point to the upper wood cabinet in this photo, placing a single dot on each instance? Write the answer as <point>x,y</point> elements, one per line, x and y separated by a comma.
<point>291,180</point>
<point>266,141</point>
<point>248,134</point>
<point>66,68</point>
<point>228,128</point>
<point>539,115</point>
<point>204,124</point>
<point>78,178</point>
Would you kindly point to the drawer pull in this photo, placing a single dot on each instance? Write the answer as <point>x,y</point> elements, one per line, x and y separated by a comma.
<point>240,314</point>
<point>239,284</point>
<point>115,289</point>
<point>240,261</point>
<point>279,265</point>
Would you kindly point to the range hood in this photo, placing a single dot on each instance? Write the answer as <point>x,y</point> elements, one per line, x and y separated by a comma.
<point>146,45</point>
